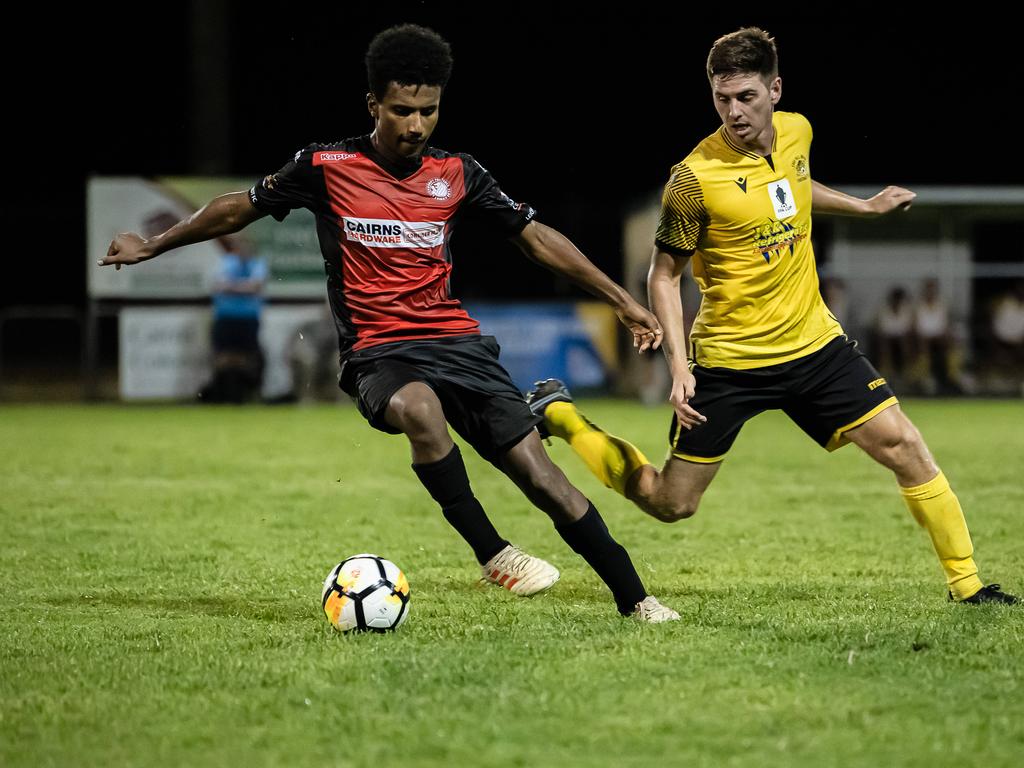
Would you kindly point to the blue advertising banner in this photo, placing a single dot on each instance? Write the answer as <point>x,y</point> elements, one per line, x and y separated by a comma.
<point>572,341</point>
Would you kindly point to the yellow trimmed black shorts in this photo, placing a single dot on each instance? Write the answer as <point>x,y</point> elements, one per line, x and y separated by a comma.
<point>826,393</point>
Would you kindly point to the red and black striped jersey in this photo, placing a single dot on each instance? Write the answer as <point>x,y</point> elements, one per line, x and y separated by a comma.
<point>384,231</point>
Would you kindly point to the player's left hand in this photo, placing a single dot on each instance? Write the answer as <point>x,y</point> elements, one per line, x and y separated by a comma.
<point>684,386</point>
<point>643,325</point>
<point>891,198</point>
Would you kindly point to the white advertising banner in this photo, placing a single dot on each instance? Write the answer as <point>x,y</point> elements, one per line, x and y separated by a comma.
<point>164,351</point>
<point>166,354</point>
<point>150,207</point>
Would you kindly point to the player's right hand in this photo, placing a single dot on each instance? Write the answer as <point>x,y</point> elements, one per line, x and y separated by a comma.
<point>890,199</point>
<point>126,248</point>
<point>683,388</point>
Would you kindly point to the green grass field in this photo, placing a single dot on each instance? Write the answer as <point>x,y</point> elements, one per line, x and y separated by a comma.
<point>163,566</point>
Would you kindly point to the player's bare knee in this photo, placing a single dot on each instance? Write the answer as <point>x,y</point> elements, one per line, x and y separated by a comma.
<point>915,459</point>
<point>416,410</point>
<point>902,447</point>
<point>681,511</point>
<point>673,510</point>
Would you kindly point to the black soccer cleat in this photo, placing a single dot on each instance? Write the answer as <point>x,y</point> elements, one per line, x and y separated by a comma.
<point>542,395</point>
<point>993,593</point>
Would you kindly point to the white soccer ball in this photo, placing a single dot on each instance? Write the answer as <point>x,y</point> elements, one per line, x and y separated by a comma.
<point>366,592</point>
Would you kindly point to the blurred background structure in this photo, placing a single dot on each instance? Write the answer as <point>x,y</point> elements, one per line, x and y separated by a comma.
<point>126,120</point>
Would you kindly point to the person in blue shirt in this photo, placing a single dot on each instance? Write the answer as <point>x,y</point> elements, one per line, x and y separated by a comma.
<point>237,305</point>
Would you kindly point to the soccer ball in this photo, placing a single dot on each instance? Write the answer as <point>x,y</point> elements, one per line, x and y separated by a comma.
<point>366,592</point>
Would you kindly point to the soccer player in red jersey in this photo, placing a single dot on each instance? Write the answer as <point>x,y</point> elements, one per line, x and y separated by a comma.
<point>386,205</point>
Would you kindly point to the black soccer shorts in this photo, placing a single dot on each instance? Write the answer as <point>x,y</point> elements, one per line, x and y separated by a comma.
<point>236,334</point>
<point>477,395</point>
<point>826,393</point>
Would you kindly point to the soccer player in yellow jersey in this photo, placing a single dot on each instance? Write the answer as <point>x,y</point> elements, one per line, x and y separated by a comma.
<point>739,209</point>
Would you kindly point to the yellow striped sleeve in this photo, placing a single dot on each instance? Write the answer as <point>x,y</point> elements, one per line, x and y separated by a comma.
<point>683,214</point>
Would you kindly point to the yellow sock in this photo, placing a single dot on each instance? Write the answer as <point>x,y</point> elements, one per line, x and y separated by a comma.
<point>612,459</point>
<point>937,509</point>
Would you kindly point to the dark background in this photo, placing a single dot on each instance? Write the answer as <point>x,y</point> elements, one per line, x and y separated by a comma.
<point>578,112</point>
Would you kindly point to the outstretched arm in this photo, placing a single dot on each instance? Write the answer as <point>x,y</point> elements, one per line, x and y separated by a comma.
<point>555,251</point>
<point>827,200</point>
<point>663,289</point>
<point>221,216</point>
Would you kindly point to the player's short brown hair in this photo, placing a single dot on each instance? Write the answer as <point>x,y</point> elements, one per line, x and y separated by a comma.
<point>750,50</point>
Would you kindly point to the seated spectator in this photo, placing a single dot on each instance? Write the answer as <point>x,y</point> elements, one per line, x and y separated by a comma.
<point>894,328</point>
<point>932,328</point>
<point>1008,326</point>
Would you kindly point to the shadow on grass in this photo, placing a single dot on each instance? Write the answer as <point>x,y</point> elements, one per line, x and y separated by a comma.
<point>906,616</point>
<point>200,605</point>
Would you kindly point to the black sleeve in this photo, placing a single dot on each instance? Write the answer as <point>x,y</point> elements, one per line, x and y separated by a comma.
<point>486,202</point>
<point>294,186</point>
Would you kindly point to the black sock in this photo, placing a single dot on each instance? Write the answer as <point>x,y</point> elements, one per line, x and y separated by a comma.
<point>590,539</point>
<point>448,483</point>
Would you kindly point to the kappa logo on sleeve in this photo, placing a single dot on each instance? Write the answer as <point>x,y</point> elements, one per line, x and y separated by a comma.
<point>322,158</point>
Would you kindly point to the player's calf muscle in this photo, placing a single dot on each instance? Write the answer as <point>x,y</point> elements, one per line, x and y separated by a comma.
<point>544,484</point>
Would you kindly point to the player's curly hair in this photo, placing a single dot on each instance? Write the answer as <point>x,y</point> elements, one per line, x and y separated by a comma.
<point>745,51</point>
<point>408,55</point>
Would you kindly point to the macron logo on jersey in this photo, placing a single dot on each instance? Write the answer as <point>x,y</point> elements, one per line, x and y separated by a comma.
<point>389,233</point>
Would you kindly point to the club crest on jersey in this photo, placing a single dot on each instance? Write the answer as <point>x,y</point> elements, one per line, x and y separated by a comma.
<point>439,189</point>
<point>390,233</point>
<point>800,166</point>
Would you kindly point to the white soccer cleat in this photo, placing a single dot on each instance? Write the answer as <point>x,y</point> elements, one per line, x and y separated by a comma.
<point>651,611</point>
<point>518,572</point>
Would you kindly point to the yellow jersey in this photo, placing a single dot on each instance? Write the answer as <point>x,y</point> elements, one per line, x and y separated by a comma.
<point>747,220</point>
